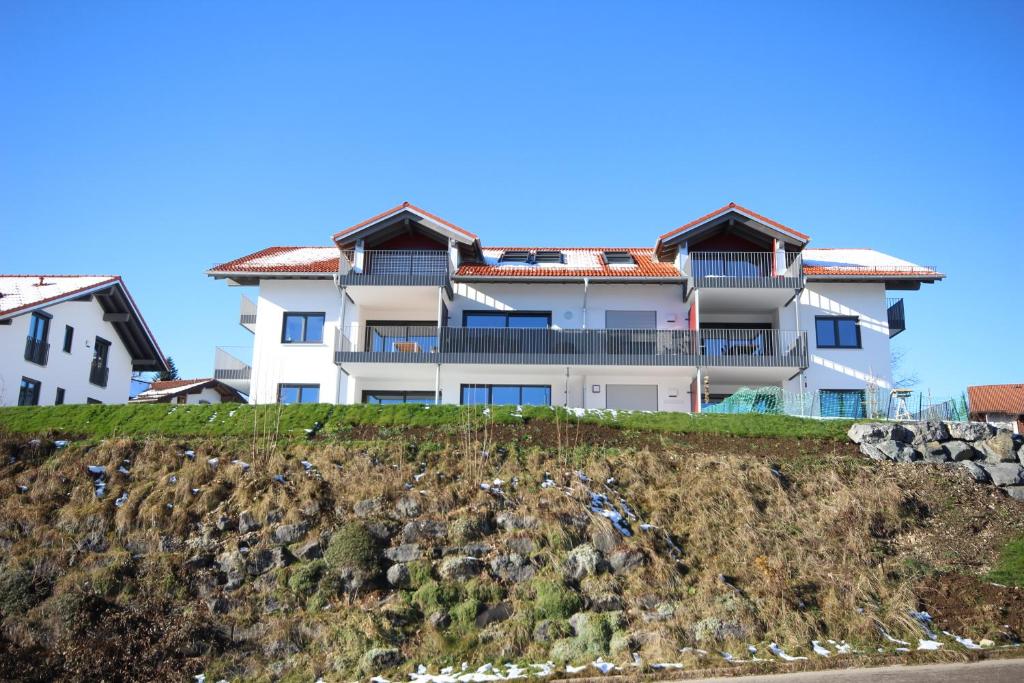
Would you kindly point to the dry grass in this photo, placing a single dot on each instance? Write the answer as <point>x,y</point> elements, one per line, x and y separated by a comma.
<point>752,540</point>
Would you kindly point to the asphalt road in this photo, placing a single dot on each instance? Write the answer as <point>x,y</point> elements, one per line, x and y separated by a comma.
<point>990,671</point>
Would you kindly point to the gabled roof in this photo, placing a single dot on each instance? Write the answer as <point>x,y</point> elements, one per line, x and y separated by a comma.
<point>731,207</point>
<point>21,294</point>
<point>427,218</point>
<point>281,260</point>
<point>580,262</point>
<point>996,398</point>
<point>162,390</point>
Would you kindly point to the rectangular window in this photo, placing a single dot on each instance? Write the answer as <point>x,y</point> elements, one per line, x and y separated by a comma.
<point>59,399</point>
<point>550,257</point>
<point>506,394</point>
<point>517,319</point>
<point>37,348</point>
<point>619,258</point>
<point>837,332</point>
<point>99,371</point>
<point>387,398</point>
<point>302,328</point>
<point>401,336</point>
<point>28,393</point>
<point>298,393</point>
<point>515,256</point>
<point>69,338</point>
<point>842,403</point>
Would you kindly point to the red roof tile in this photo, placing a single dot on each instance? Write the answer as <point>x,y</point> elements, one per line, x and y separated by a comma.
<point>396,209</point>
<point>996,398</point>
<point>284,260</point>
<point>733,206</point>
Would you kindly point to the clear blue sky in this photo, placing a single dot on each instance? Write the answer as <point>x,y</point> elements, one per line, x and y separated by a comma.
<point>155,139</point>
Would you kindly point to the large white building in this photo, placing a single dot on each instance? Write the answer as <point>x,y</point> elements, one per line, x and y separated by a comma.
<point>70,339</point>
<point>406,306</point>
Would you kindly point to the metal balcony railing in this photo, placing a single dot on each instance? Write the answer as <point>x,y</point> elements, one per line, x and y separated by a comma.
<point>36,350</point>
<point>228,367</point>
<point>99,374</point>
<point>753,348</point>
<point>745,269</point>
<point>897,317</point>
<point>504,346</point>
<point>247,313</point>
<point>394,267</point>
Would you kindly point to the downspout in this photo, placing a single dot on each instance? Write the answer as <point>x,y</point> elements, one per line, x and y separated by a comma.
<point>337,342</point>
<point>586,287</point>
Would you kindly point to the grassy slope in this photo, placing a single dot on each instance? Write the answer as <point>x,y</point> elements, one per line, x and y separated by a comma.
<point>754,540</point>
<point>99,421</point>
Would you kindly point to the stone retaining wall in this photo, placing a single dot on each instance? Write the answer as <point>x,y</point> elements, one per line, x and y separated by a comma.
<point>989,455</point>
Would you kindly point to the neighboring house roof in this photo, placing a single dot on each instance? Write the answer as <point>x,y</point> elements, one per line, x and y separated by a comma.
<point>167,389</point>
<point>996,398</point>
<point>396,210</point>
<point>282,260</point>
<point>580,262</point>
<point>21,294</point>
<point>731,207</point>
<point>863,264</point>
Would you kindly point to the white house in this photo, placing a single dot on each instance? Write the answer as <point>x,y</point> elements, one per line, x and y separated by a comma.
<point>70,339</point>
<point>406,306</point>
<point>189,391</point>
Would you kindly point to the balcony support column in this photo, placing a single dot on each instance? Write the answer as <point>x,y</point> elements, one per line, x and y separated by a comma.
<point>437,384</point>
<point>695,392</point>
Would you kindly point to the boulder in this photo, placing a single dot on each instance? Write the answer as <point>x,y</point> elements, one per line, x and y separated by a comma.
<point>309,551</point>
<point>999,448</point>
<point>712,630</point>
<point>606,602</point>
<point>200,561</point>
<point>1015,492</point>
<point>288,533</point>
<point>247,523</point>
<point>381,529</point>
<point>896,451</point>
<point>958,450</point>
<point>459,568</point>
<point>232,566</point>
<point>275,516</point>
<point>935,452</point>
<point>408,506</point>
<point>874,432</point>
<point>625,560</point>
<point>425,530</point>
<point>398,575</point>
<point>550,630</point>
<point>1005,473</point>
<point>439,620</point>
<point>605,538</point>
<point>407,552</point>
<point>932,430</point>
<point>493,615</point>
<point>369,507</point>
<point>511,522</point>
<point>225,523</point>
<point>379,658</point>
<point>261,561</point>
<point>583,561</point>
<point>970,431</point>
<point>513,568</point>
<point>976,471</point>
<point>523,545</point>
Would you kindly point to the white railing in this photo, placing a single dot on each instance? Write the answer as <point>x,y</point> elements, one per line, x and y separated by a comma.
<point>246,311</point>
<point>228,366</point>
<point>751,269</point>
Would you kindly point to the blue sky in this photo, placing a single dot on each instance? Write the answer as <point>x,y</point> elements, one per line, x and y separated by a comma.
<point>156,139</point>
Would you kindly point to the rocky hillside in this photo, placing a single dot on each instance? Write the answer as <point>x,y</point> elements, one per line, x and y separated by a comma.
<point>541,545</point>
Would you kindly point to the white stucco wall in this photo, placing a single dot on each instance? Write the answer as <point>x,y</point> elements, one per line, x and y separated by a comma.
<point>274,363</point>
<point>846,368</point>
<point>69,371</point>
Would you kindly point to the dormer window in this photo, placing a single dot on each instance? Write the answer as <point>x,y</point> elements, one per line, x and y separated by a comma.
<point>619,258</point>
<point>515,256</point>
<point>550,256</point>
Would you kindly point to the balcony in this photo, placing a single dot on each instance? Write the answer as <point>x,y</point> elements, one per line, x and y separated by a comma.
<point>98,374</point>
<point>394,268</point>
<point>897,319</point>
<point>744,269</point>
<point>247,314</point>
<point>505,346</point>
<point>36,350</point>
<point>231,370</point>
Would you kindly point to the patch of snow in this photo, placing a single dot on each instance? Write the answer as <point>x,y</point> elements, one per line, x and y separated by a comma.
<point>306,465</point>
<point>195,492</point>
<point>667,665</point>
<point>603,666</point>
<point>170,506</point>
<point>22,488</point>
<point>781,654</point>
<point>279,478</point>
<point>570,669</point>
<point>819,649</point>
<point>600,505</point>
<point>885,634</point>
<point>242,464</point>
<point>213,462</point>
<point>842,647</point>
<point>925,620</point>
<point>928,644</point>
<point>61,443</point>
<point>191,455</point>
<point>966,642</point>
<point>173,479</point>
<point>122,499</point>
<point>123,470</point>
<point>96,470</point>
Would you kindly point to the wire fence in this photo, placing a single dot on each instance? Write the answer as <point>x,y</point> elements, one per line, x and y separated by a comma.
<point>869,403</point>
